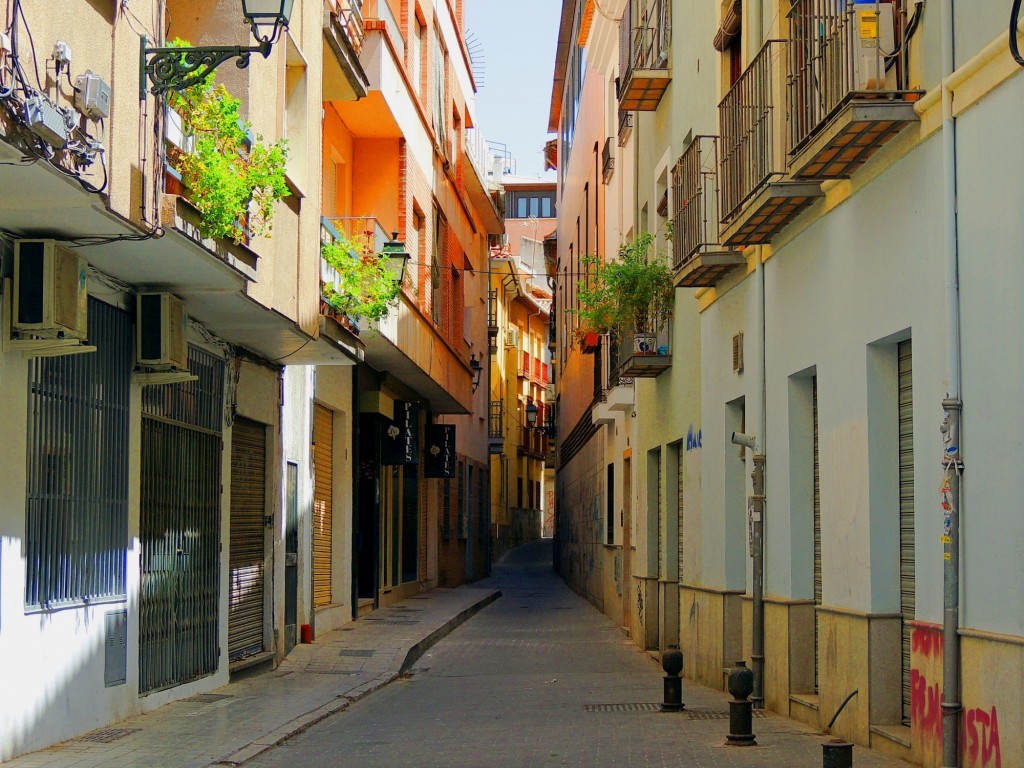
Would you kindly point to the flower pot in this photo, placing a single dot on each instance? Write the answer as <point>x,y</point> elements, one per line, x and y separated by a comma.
<point>644,344</point>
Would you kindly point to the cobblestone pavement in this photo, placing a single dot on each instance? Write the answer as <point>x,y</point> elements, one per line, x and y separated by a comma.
<point>244,718</point>
<point>540,678</point>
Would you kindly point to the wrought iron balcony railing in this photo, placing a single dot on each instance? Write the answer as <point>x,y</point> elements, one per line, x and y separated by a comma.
<point>698,258</point>
<point>496,420</point>
<point>607,161</point>
<point>350,14</point>
<point>644,39</point>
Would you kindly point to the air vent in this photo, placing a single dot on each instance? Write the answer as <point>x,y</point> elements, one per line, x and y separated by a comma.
<point>163,336</point>
<point>737,352</point>
<point>50,298</point>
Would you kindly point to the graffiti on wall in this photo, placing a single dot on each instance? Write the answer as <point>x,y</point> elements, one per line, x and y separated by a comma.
<point>979,725</point>
<point>694,439</point>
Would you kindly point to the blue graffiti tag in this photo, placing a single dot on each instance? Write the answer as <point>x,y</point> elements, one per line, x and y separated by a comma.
<point>694,439</point>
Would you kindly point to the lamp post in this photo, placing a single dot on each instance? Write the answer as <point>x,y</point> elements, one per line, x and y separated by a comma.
<point>531,415</point>
<point>175,69</point>
<point>476,368</point>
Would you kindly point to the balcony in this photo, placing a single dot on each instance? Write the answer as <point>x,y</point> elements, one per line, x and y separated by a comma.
<point>523,365</point>
<point>492,321</point>
<point>533,443</point>
<point>344,78</point>
<point>627,360</point>
<point>625,126</point>
<point>644,39</point>
<point>480,185</point>
<point>607,161</point>
<point>756,198</point>
<point>845,98</point>
<point>496,427</point>
<point>698,259</point>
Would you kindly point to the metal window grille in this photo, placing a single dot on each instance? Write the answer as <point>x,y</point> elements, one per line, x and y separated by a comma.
<point>77,476</point>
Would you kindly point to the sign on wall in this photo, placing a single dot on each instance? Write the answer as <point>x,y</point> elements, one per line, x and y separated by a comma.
<point>400,437</point>
<point>439,459</point>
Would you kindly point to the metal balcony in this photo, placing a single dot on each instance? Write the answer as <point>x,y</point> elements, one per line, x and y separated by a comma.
<point>496,426</point>
<point>846,98</point>
<point>344,77</point>
<point>607,161</point>
<point>698,258</point>
<point>625,361</point>
<point>644,39</point>
<point>756,199</point>
<point>625,126</point>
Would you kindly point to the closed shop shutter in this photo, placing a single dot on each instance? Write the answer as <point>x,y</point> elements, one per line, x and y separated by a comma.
<point>248,543</point>
<point>816,495</point>
<point>679,501</point>
<point>323,495</point>
<point>907,595</point>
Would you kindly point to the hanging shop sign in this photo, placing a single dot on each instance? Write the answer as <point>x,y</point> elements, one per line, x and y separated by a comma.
<point>439,458</point>
<point>399,440</point>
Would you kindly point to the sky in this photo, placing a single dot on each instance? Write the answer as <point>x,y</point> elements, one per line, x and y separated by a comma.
<point>517,41</point>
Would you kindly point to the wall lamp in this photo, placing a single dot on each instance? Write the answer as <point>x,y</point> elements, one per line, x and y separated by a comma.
<point>477,368</point>
<point>531,415</point>
<point>175,69</point>
<point>394,251</point>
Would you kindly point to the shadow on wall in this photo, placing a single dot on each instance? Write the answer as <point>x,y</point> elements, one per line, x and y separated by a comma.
<point>525,526</point>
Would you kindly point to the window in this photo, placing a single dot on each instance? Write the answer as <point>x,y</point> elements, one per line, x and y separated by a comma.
<point>537,203</point>
<point>436,277</point>
<point>416,55</point>
<point>295,113</point>
<point>76,514</point>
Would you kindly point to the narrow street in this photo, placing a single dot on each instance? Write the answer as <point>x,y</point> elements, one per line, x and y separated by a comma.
<point>541,678</point>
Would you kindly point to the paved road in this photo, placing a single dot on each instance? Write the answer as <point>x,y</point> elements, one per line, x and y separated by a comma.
<point>539,678</point>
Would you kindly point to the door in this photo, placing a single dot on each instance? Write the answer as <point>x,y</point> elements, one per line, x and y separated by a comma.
<point>179,527</point>
<point>291,556</point>
<point>248,549</point>
<point>323,504</point>
<point>627,542</point>
<point>908,594</point>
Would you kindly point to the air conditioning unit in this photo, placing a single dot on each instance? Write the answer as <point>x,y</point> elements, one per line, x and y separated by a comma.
<point>873,37</point>
<point>512,338</point>
<point>50,298</point>
<point>162,338</point>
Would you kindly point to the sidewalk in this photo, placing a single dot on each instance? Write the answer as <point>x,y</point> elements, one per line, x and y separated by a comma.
<point>245,718</point>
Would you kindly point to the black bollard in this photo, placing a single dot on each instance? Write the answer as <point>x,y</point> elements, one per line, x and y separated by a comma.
<point>836,754</point>
<point>741,727</point>
<point>672,663</point>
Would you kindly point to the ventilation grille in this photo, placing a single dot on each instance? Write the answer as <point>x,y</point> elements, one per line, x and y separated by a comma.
<point>737,352</point>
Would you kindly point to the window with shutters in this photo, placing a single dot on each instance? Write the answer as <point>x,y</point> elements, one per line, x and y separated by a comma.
<point>76,515</point>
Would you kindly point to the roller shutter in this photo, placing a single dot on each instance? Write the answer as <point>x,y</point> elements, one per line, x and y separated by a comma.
<point>323,512</point>
<point>817,520</point>
<point>248,541</point>
<point>907,577</point>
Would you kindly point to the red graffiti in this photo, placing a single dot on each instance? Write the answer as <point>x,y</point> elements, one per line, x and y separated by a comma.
<point>988,724</point>
<point>925,706</point>
<point>926,641</point>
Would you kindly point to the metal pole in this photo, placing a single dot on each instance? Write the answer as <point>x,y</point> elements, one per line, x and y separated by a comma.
<point>757,641</point>
<point>952,406</point>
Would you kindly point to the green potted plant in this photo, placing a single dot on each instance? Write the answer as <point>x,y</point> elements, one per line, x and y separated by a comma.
<point>366,286</point>
<point>232,177</point>
<point>631,296</point>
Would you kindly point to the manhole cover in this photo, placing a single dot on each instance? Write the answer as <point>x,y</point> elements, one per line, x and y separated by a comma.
<point>644,707</point>
<point>208,698</point>
<point>359,653</point>
<point>108,735</point>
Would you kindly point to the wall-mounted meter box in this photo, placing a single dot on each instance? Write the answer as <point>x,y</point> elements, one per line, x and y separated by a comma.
<point>92,98</point>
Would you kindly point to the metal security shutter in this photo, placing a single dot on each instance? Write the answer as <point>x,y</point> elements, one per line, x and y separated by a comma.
<point>323,510</point>
<point>679,501</point>
<point>662,521</point>
<point>179,526</point>
<point>817,520</point>
<point>907,593</point>
<point>248,542</point>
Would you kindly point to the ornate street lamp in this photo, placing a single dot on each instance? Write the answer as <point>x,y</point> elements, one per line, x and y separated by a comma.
<point>531,415</point>
<point>394,251</point>
<point>175,69</point>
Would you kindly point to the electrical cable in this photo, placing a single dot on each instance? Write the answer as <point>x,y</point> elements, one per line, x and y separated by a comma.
<point>1014,22</point>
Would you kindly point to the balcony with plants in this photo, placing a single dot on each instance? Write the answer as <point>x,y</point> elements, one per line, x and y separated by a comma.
<point>631,299</point>
<point>848,89</point>
<point>359,281</point>
<point>344,32</point>
<point>698,258</point>
<point>645,34</point>
<point>221,181</point>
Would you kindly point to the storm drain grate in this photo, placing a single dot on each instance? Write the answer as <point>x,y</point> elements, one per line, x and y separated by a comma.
<point>108,735</point>
<point>698,714</point>
<point>208,698</point>
<point>645,707</point>
<point>359,653</point>
<point>395,622</point>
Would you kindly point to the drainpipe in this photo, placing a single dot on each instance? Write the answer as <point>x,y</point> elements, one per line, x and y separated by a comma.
<point>952,404</point>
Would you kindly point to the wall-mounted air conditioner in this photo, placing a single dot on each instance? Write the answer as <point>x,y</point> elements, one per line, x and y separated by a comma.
<point>512,338</point>
<point>50,298</point>
<point>162,338</point>
<point>874,37</point>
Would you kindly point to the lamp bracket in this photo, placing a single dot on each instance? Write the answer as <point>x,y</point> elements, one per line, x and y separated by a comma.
<point>175,69</point>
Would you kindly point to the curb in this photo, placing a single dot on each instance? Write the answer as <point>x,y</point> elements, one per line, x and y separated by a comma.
<point>309,719</point>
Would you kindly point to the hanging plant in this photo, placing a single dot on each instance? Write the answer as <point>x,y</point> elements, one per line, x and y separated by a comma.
<point>234,178</point>
<point>631,295</point>
<point>366,287</point>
